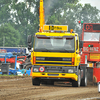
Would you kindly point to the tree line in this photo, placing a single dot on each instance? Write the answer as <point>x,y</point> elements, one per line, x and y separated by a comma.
<point>20,19</point>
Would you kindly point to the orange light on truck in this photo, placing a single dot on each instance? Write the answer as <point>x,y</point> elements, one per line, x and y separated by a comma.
<point>73,60</point>
<point>71,31</point>
<point>34,60</point>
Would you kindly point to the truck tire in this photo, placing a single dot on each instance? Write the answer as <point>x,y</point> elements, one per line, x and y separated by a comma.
<point>78,82</point>
<point>84,80</point>
<point>89,76</point>
<point>35,81</point>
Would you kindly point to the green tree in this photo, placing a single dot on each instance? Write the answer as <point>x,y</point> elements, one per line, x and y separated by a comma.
<point>90,14</point>
<point>9,35</point>
<point>25,19</point>
<point>5,11</point>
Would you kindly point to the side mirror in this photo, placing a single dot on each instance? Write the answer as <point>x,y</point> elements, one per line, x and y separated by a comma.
<point>29,40</point>
<point>80,44</point>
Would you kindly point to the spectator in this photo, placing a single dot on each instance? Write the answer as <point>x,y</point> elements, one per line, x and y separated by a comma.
<point>93,38</point>
<point>68,44</point>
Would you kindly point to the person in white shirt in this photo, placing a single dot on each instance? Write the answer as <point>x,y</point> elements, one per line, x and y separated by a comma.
<point>93,38</point>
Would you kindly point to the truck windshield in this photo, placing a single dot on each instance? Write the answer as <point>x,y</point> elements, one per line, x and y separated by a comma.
<point>54,44</point>
<point>91,36</point>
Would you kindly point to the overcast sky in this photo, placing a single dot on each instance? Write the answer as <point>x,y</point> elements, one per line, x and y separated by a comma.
<point>95,3</point>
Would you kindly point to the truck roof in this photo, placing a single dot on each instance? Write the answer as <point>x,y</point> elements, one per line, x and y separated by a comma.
<point>55,34</point>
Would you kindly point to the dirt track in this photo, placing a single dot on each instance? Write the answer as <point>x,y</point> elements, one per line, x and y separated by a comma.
<point>20,88</point>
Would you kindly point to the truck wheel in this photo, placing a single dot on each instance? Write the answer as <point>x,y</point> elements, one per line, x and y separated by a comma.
<point>35,81</point>
<point>78,82</point>
<point>84,80</point>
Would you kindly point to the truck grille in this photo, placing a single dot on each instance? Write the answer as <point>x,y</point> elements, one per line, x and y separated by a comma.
<point>53,60</point>
<point>53,74</point>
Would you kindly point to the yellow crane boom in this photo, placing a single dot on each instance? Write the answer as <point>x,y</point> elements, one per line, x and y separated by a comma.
<point>41,16</point>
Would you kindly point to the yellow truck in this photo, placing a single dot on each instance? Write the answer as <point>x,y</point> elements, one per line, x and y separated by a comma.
<point>55,55</point>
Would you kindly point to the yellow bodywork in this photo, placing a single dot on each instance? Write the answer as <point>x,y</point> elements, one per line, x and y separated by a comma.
<point>60,75</point>
<point>57,54</point>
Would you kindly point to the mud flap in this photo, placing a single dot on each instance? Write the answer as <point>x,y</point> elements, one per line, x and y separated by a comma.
<point>90,76</point>
<point>89,73</point>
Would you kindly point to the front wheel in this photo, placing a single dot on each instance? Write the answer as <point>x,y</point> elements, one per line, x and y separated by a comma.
<point>77,83</point>
<point>36,81</point>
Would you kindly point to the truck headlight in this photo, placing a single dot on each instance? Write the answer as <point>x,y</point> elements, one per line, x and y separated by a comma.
<point>35,69</point>
<point>70,71</point>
